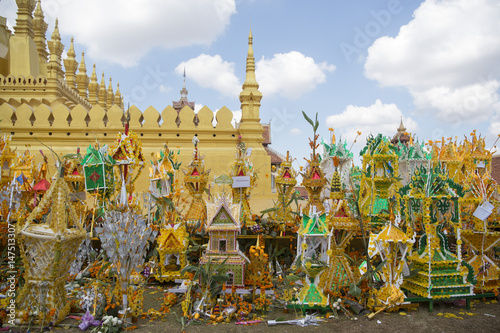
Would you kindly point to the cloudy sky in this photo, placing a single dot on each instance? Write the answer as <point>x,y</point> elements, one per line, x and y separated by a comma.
<point>363,65</point>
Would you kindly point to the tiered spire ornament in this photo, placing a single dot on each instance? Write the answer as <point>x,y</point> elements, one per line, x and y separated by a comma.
<point>313,245</point>
<point>433,198</point>
<point>446,155</point>
<point>48,250</point>
<point>379,178</point>
<point>344,227</point>
<point>479,213</point>
<point>336,149</point>
<point>285,182</point>
<point>196,179</point>
<point>313,178</point>
<point>411,157</point>
<point>127,152</point>
<point>243,169</point>
<point>480,223</point>
<point>392,245</point>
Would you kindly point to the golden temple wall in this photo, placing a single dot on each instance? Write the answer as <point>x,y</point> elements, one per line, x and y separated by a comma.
<point>64,129</point>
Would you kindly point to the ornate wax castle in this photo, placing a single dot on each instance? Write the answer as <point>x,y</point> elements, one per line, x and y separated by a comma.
<point>65,108</point>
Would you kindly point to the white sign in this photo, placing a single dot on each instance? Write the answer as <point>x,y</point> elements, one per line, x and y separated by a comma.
<point>249,151</point>
<point>241,181</point>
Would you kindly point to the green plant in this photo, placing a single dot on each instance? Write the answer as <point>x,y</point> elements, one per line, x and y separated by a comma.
<point>211,277</point>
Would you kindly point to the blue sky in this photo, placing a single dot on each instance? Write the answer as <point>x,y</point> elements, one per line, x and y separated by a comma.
<point>362,64</point>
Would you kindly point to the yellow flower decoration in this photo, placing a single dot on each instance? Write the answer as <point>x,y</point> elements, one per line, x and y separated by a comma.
<point>304,246</point>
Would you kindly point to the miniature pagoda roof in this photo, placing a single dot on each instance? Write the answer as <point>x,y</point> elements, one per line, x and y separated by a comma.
<point>172,238</point>
<point>314,226</point>
<point>337,149</point>
<point>413,152</point>
<point>97,156</point>
<point>127,149</point>
<point>401,135</point>
<point>391,233</point>
<point>223,215</point>
<point>378,145</point>
<point>61,213</point>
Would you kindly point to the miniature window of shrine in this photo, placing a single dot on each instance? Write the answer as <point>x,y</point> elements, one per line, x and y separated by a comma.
<point>230,275</point>
<point>222,245</point>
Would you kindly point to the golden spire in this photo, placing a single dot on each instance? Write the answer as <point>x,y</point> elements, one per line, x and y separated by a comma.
<point>93,76</point>
<point>55,33</point>
<point>93,87</point>
<point>82,68</point>
<point>250,127</point>
<point>102,92</point>
<point>71,51</point>
<point>71,65</point>
<point>82,80</point>
<point>110,95</point>
<point>56,48</point>
<point>40,29</point>
<point>250,96</point>
<point>118,96</point>
<point>250,81</point>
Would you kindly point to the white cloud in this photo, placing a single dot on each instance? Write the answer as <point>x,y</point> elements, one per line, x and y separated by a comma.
<point>236,117</point>
<point>197,107</point>
<point>290,74</point>
<point>472,103</point>
<point>295,131</point>
<point>164,89</point>
<point>123,31</point>
<point>212,72</point>
<point>374,119</point>
<point>446,57</point>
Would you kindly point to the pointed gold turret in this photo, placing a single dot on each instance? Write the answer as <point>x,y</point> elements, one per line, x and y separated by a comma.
<point>102,92</point>
<point>56,49</point>
<point>110,96</point>
<point>250,81</point>
<point>250,127</point>
<point>39,30</point>
<point>118,96</point>
<point>250,96</point>
<point>71,65</point>
<point>82,80</point>
<point>93,87</point>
